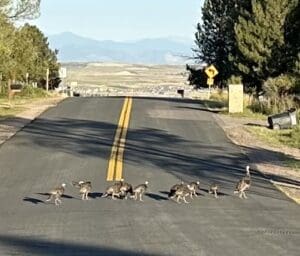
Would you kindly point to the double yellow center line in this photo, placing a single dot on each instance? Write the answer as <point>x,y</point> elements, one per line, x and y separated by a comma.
<point>115,165</point>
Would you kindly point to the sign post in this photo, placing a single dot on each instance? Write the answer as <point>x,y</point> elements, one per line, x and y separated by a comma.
<point>47,79</point>
<point>0,82</point>
<point>211,72</point>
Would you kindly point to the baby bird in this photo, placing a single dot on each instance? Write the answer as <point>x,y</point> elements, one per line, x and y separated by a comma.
<point>125,189</point>
<point>181,193</point>
<point>244,184</point>
<point>113,190</point>
<point>193,186</point>
<point>213,189</point>
<point>56,194</point>
<point>140,190</point>
<point>174,188</point>
<point>85,188</point>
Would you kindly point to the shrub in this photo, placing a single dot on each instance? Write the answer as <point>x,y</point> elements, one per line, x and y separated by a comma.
<point>31,92</point>
<point>278,95</point>
<point>234,80</point>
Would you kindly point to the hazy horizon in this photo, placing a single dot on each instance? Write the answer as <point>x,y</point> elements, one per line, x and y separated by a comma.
<point>120,20</point>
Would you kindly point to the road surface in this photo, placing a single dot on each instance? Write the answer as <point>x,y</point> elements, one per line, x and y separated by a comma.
<point>168,140</point>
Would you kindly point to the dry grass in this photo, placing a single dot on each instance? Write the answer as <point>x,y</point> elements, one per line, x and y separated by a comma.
<point>15,106</point>
<point>125,75</point>
<point>6,112</point>
<point>288,137</point>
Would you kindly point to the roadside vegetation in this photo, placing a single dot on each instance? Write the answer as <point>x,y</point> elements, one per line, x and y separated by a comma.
<point>25,57</point>
<point>235,37</point>
<point>287,137</point>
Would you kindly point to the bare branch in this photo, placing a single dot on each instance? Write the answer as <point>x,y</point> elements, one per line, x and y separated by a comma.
<point>20,9</point>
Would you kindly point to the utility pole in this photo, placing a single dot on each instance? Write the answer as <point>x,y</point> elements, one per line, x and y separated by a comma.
<point>0,83</point>
<point>47,79</point>
<point>27,78</point>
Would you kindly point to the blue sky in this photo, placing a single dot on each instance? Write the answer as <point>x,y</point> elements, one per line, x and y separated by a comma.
<point>120,19</point>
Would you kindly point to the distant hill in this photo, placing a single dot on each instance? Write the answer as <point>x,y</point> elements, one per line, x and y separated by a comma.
<point>146,51</point>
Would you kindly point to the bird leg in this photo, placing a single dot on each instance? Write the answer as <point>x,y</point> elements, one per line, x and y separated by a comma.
<point>216,194</point>
<point>141,195</point>
<point>185,200</point>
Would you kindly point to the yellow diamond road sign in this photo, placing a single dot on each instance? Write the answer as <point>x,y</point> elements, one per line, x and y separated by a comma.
<point>211,71</point>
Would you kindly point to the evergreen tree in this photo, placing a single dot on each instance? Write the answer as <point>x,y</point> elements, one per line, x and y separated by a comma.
<point>42,57</point>
<point>292,35</point>
<point>260,40</point>
<point>215,39</point>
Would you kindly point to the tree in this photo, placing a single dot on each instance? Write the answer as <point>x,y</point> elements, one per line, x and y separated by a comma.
<point>292,38</point>
<point>260,40</point>
<point>6,43</point>
<point>37,56</point>
<point>215,38</point>
<point>20,9</point>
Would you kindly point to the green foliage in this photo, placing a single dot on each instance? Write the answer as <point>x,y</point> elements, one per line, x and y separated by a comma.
<point>278,96</point>
<point>31,92</point>
<point>197,77</point>
<point>6,44</point>
<point>254,39</point>
<point>235,80</point>
<point>289,137</point>
<point>295,136</point>
<point>215,36</point>
<point>292,40</point>
<point>25,50</point>
<point>41,56</point>
<point>260,40</point>
<point>280,86</point>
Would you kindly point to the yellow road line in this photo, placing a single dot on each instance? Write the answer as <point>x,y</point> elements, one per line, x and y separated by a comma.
<point>115,165</point>
<point>119,167</point>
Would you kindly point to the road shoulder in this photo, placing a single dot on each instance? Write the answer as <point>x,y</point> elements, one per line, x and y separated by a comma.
<point>269,160</point>
<point>10,126</point>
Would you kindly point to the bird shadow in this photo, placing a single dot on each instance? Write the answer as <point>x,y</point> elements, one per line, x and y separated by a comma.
<point>156,197</point>
<point>204,190</point>
<point>95,195</point>
<point>167,192</point>
<point>63,196</point>
<point>219,193</point>
<point>164,192</point>
<point>33,200</point>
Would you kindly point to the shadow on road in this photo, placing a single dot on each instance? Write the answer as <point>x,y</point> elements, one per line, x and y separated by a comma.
<point>95,195</point>
<point>14,245</point>
<point>187,160</point>
<point>33,200</point>
<point>156,197</point>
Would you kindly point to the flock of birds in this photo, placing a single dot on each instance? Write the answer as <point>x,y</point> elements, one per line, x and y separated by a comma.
<point>122,189</point>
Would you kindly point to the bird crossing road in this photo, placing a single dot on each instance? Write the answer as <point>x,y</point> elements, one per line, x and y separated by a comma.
<point>167,141</point>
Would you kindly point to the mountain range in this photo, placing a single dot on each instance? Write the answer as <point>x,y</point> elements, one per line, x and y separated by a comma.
<point>75,48</point>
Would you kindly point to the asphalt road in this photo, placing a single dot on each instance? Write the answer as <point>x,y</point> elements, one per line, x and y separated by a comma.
<point>167,141</point>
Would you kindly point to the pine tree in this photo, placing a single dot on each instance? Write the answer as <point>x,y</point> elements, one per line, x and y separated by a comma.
<point>215,39</point>
<point>292,36</point>
<point>42,57</point>
<point>260,40</point>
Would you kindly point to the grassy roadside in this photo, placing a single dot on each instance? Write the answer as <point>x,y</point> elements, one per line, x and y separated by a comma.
<point>288,138</point>
<point>21,101</point>
<point>274,138</point>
